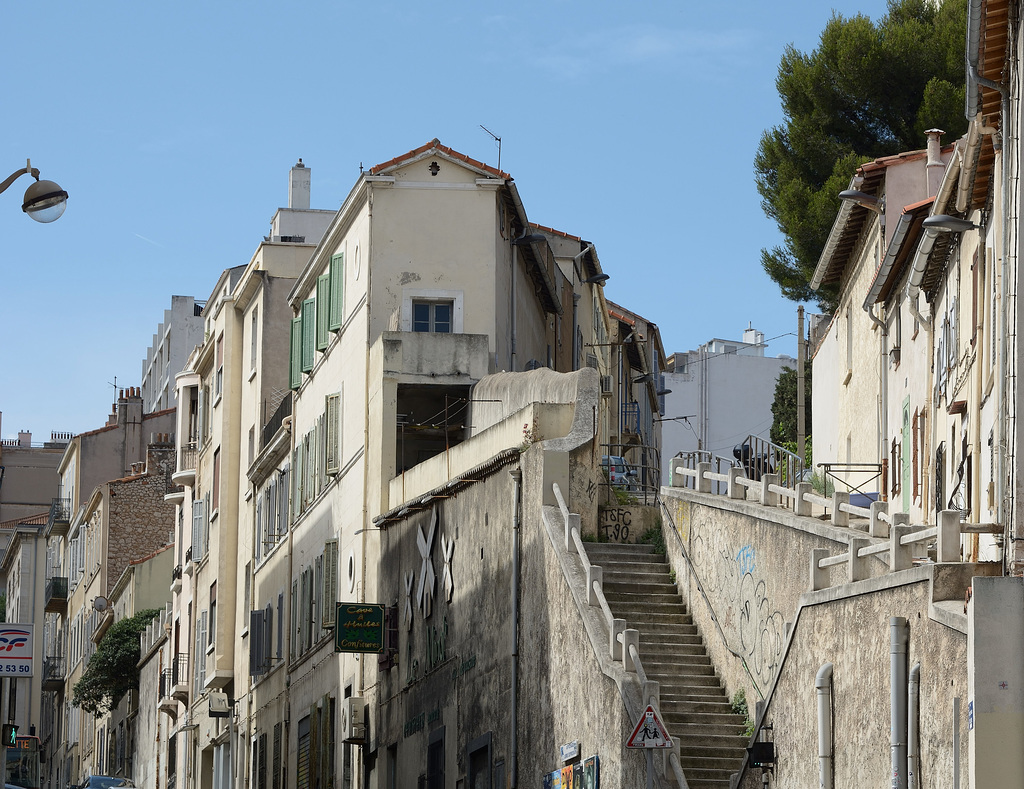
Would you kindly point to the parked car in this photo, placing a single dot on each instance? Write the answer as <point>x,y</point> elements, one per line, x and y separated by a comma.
<point>107,782</point>
<point>620,473</point>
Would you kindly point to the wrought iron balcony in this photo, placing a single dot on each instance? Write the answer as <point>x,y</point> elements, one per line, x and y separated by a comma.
<point>283,410</point>
<point>185,468</point>
<point>172,492</point>
<point>179,678</point>
<point>53,672</point>
<point>60,516</point>
<point>56,595</point>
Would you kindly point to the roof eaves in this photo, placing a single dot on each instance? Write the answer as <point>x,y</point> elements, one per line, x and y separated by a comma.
<point>436,146</point>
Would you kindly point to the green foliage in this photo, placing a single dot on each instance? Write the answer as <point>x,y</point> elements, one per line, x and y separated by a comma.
<point>739,707</point>
<point>784,413</point>
<point>3,608</point>
<point>868,90</point>
<point>654,536</point>
<point>112,670</point>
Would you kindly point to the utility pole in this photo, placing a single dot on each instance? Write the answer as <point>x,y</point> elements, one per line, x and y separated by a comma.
<point>801,356</point>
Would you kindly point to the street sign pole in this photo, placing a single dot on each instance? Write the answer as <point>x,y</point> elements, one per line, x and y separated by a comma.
<point>650,768</point>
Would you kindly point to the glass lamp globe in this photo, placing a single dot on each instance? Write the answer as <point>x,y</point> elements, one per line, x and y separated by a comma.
<point>45,201</point>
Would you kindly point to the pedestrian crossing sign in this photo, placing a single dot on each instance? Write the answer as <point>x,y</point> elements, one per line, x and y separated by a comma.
<point>649,732</point>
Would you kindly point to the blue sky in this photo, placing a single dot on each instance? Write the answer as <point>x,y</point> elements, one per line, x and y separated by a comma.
<point>173,127</point>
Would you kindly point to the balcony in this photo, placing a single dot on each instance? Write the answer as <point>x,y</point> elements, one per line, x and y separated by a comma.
<point>60,516</point>
<point>53,673</point>
<point>283,410</point>
<point>176,579</point>
<point>56,595</point>
<point>173,493</point>
<point>179,678</point>
<point>186,468</point>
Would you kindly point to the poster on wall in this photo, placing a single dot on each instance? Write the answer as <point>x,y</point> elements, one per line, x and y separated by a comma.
<point>575,776</point>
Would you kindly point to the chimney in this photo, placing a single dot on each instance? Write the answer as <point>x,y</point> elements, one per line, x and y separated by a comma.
<point>299,186</point>
<point>935,168</point>
<point>25,438</point>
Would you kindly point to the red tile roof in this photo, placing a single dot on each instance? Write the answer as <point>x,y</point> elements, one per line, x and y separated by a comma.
<point>554,232</point>
<point>435,144</point>
<point>30,520</point>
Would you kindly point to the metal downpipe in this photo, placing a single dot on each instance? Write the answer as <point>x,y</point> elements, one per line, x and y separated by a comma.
<point>913,731</point>
<point>899,638</point>
<point>823,686</point>
<point>517,509</point>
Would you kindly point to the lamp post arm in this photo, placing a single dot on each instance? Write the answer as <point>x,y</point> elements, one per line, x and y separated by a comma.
<point>28,169</point>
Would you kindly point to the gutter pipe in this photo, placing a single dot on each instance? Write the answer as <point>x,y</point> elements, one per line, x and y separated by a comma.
<point>898,692</point>
<point>823,686</point>
<point>517,509</point>
<point>913,732</point>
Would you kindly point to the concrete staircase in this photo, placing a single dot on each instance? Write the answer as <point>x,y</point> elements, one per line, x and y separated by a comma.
<point>694,705</point>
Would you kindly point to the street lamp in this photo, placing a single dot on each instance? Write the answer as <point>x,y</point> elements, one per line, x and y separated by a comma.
<point>45,201</point>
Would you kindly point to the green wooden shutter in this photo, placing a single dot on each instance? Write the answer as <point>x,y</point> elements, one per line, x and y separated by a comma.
<point>308,334</point>
<point>295,358</point>
<point>323,298</point>
<point>336,273</point>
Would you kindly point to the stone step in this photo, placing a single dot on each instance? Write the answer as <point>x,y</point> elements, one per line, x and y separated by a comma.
<point>641,587</point>
<point>716,763</point>
<point>627,567</point>
<point>673,682</point>
<point>629,600</point>
<point>722,746</point>
<point>683,665</point>
<point>622,549</point>
<point>687,726</point>
<point>648,620</point>
<point>705,779</point>
<point>686,716</point>
<point>661,649</point>
<point>695,706</point>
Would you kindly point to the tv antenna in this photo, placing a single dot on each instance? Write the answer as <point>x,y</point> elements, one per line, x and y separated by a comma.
<point>114,384</point>
<point>497,139</point>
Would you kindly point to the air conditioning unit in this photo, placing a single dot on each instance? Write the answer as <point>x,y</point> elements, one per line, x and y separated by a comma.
<point>353,720</point>
<point>606,384</point>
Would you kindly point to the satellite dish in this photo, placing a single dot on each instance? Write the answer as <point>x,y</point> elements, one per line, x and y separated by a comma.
<point>100,603</point>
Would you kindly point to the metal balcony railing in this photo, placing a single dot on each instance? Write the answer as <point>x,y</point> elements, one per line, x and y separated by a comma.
<point>187,456</point>
<point>274,423</point>
<point>60,514</point>
<point>176,573</point>
<point>53,672</point>
<point>56,594</point>
<point>169,486</point>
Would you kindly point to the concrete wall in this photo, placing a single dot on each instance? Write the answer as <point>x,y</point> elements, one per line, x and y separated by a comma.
<point>462,680</point>
<point>30,480</point>
<point>744,576</point>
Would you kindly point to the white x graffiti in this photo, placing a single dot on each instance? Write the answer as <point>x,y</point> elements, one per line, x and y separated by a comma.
<point>447,583</point>
<point>425,590</point>
<point>410,579</point>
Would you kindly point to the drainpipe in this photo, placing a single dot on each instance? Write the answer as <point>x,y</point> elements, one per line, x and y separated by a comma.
<point>517,509</point>
<point>899,639</point>
<point>913,734</point>
<point>823,686</point>
<point>883,365</point>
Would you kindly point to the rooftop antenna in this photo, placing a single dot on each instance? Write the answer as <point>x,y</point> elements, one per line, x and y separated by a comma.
<point>115,387</point>
<point>497,139</point>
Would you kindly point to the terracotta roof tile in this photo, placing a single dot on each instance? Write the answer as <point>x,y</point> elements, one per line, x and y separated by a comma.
<point>551,230</point>
<point>435,144</point>
<point>29,520</point>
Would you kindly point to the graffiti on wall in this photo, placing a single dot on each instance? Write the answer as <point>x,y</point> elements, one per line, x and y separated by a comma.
<point>730,577</point>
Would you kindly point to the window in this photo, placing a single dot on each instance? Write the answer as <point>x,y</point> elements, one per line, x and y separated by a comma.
<point>254,337</point>
<point>435,760</point>
<point>432,316</point>
<point>213,615</point>
<point>479,753</point>
<point>432,310</point>
<point>336,289</point>
<point>219,381</point>
<point>216,479</point>
<point>323,302</point>
<point>295,357</point>
<point>308,334</point>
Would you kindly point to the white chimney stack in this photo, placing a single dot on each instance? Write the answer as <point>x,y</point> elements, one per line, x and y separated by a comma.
<point>935,167</point>
<point>299,186</point>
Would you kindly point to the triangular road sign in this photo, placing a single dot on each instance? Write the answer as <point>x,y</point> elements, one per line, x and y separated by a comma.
<point>649,732</point>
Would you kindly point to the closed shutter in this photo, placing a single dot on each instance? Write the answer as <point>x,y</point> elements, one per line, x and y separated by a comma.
<point>257,657</point>
<point>330,593</point>
<point>327,740</point>
<point>294,650</point>
<point>201,650</point>
<point>323,298</point>
<point>280,626</point>
<point>268,636</point>
<point>333,449</point>
<point>336,273</point>
<point>197,530</point>
<point>314,747</point>
<point>275,773</point>
<point>295,355</point>
<point>201,419</point>
<point>308,334</point>
<point>261,773</point>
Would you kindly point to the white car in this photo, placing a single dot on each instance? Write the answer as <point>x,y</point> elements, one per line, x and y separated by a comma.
<point>620,473</point>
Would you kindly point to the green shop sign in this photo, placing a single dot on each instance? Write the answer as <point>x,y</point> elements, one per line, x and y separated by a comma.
<point>359,627</point>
